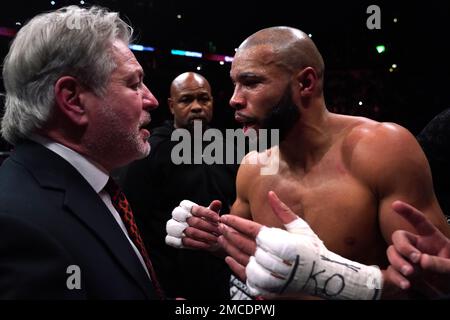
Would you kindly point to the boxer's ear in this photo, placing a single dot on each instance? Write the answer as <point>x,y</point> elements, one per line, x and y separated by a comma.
<point>170,103</point>
<point>307,80</point>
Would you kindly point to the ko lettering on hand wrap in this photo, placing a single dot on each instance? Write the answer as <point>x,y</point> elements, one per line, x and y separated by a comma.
<point>297,261</point>
<point>175,227</point>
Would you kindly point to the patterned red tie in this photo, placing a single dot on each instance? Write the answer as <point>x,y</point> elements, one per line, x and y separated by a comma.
<point>122,206</point>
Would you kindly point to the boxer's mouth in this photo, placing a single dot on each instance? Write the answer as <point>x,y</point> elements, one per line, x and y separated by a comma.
<point>246,121</point>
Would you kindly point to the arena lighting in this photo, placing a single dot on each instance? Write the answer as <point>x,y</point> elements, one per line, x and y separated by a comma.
<point>217,57</point>
<point>192,54</point>
<point>214,57</point>
<point>138,47</point>
<point>381,48</point>
<point>7,32</point>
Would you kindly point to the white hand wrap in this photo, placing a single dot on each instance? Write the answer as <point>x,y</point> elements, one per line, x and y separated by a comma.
<point>175,227</point>
<point>298,262</point>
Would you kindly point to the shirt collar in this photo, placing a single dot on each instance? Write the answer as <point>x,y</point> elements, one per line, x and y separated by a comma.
<point>95,176</point>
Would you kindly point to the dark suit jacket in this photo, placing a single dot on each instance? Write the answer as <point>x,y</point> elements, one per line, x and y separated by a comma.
<point>50,219</point>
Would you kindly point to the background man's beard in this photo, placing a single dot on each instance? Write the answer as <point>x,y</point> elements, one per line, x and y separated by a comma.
<point>190,125</point>
<point>283,116</point>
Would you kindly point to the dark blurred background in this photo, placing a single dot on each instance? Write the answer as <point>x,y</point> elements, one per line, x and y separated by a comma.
<point>407,84</point>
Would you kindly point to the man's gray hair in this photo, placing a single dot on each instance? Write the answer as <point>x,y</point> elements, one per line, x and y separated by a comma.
<point>71,41</point>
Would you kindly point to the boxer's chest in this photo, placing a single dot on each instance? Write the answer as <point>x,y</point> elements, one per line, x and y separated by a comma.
<point>337,206</point>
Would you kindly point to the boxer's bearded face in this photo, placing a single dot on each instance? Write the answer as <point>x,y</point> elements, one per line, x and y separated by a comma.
<point>283,115</point>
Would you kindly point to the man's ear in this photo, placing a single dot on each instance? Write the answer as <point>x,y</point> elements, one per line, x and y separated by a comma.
<point>307,81</point>
<point>68,101</point>
<point>170,103</point>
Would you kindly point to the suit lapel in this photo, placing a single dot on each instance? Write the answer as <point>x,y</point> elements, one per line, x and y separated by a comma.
<point>81,200</point>
<point>90,209</point>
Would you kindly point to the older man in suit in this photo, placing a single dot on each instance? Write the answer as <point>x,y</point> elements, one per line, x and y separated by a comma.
<point>75,109</point>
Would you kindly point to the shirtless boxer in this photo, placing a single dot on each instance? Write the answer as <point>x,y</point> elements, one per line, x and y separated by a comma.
<point>339,173</point>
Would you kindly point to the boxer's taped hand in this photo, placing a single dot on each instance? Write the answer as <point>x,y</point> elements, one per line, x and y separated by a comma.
<point>175,227</point>
<point>296,261</point>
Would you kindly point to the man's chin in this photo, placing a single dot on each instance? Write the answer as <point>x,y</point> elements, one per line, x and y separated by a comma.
<point>248,129</point>
<point>143,150</point>
<point>197,122</point>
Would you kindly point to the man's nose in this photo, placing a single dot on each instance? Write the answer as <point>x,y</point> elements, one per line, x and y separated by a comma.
<point>149,100</point>
<point>237,101</point>
<point>196,107</point>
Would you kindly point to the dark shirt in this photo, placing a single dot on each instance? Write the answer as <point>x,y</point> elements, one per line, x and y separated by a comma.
<point>435,142</point>
<point>154,187</point>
